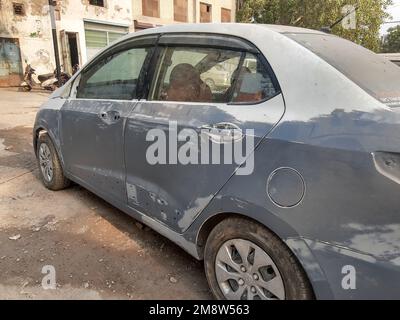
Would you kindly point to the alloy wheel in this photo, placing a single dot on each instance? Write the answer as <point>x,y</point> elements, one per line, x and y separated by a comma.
<point>244,271</point>
<point>46,162</point>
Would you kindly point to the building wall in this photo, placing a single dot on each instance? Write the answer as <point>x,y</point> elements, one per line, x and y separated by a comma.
<point>75,12</point>
<point>33,32</point>
<point>167,11</point>
<point>216,9</point>
<point>33,29</point>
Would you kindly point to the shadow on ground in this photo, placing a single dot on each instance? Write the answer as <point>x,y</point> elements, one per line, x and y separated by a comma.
<point>97,250</point>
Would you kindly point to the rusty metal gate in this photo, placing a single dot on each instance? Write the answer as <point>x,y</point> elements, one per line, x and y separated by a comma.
<point>10,63</point>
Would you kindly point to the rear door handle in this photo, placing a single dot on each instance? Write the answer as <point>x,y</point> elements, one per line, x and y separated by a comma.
<point>220,126</point>
<point>222,132</point>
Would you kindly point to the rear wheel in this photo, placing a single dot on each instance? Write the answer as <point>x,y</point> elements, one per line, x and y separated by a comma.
<point>245,261</point>
<point>50,167</point>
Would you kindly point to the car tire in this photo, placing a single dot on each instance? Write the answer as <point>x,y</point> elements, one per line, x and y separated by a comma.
<point>282,273</point>
<point>50,169</point>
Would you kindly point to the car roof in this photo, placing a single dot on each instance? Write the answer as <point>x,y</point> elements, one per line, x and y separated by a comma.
<point>237,29</point>
<point>290,29</point>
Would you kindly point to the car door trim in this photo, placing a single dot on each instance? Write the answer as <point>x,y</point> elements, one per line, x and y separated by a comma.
<point>207,40</point>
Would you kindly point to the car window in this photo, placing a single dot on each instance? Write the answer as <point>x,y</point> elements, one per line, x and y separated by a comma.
<point>254,82</point>
<point>115,77</point>
<point>211,75</point>
<point>375,74</point>
<point>195,74</point>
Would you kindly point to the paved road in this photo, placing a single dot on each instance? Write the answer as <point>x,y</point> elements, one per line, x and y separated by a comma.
<point>97,251</point>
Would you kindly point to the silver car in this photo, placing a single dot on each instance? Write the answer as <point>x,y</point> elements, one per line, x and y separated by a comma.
<point>303,201</point>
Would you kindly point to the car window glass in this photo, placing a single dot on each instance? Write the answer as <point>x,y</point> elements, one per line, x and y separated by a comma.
<point>196,74</point>
<point>253,83</point>
<point>115,77</point>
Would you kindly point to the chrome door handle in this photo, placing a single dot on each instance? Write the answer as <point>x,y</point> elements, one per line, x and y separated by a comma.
<point>223,132</point>
<point>221,127</point>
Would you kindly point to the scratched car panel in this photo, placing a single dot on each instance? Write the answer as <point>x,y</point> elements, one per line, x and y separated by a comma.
<point>325,146</point>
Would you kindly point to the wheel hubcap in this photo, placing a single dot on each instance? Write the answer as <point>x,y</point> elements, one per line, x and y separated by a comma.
<point>244,271</point>
<point>45,161</point>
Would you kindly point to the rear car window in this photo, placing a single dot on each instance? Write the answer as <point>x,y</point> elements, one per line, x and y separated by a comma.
<point>195,74</point>
<point>253,82</point>
<point>198,74</point>
<point>375,74</point>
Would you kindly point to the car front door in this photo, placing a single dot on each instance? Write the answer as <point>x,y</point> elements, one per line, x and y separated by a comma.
<point>170,176</point>
<point>93,118</point>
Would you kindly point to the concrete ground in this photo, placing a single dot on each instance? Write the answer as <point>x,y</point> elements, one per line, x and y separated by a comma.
<point>97,251</point>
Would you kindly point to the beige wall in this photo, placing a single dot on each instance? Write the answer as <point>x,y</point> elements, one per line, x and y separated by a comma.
<point>74,12</point>
<point>216,6</point>
<point>167,11</point>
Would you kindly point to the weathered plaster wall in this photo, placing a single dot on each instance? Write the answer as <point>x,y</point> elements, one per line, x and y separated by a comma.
<point>75,11</point>
<point>116,11</point>
<point>32,30</point>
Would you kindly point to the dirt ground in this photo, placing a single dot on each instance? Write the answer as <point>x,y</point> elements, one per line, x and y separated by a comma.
<point>97,251</point>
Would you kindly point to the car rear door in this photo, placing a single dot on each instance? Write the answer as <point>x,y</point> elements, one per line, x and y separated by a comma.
<point>93,118</point>
<point>174,188</point>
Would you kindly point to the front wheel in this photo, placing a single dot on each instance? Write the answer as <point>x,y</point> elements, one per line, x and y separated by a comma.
<point>50,167</point>
<point>245,261</point>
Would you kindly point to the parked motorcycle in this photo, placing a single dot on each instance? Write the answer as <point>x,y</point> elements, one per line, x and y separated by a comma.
<point>47,81</point>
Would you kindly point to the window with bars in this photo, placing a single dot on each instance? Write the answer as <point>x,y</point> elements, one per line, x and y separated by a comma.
<point>98,36</point>
<point>98,3</point>
<point>19,9</point>
<point>181,10</point>
<point>151,8</point>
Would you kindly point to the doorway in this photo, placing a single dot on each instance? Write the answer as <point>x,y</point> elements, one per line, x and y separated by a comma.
<point>11,73</point>
<point>70,50</point>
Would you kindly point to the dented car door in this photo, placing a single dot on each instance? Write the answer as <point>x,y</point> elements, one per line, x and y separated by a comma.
<point>170,176</point>
<point>93,119</point>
